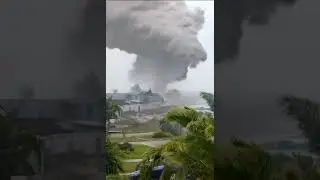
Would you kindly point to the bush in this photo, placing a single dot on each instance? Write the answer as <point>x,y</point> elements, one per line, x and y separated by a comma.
<point>242,160</point>
<point>113,158</point>
<point>171,127</point>
<point>126,146</point>
<point>160,134</point>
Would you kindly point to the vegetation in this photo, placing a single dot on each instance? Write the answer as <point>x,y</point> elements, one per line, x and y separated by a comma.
<point>117,177</point>
<point>130,166</point>
<point>190,153</point>
<point>173,128</point>
<point>114,163</point>
<point>138,151</point>
<point>126,147</point>
<point>113,111</point>
<point>116,157</point>
<point>307,115</point>
<point>180,156</point>
<point>149,126</point>
<point>113,152</point>
<point>161,134</point>
<point>209,98</point>
<point>243,161</point>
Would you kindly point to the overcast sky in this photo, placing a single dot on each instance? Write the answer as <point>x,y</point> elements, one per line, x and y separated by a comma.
<point>200,79</point>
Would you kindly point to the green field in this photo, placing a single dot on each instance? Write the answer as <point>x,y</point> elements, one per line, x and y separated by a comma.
<point>150,126</point>
<point>131,138</point>
<point>138,152</point>
<point>117,177</point>
<point>129,166</point>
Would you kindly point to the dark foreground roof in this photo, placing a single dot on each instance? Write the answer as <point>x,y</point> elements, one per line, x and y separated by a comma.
<point>41,127</point>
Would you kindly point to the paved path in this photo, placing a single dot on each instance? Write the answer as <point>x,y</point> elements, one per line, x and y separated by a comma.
<point>154,143</point>
<point>133,134</point>
<point>132,160</point>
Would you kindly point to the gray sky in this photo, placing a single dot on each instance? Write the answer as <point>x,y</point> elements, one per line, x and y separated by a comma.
<point>200,79</point>
<point>276,59</point>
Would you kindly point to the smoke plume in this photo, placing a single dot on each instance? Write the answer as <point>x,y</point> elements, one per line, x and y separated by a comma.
<point>49,51</point>
<point>230,15</point>
<point>163,35</point>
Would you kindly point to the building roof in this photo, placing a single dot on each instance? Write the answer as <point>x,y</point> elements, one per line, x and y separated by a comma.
<point>48,127</point>
<point>118,96</point>
<point>41,127</point>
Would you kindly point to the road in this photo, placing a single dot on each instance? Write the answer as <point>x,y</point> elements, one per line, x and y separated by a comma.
<point>133,134</point>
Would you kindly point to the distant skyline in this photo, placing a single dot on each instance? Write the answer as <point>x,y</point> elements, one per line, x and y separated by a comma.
<point>118,63</point>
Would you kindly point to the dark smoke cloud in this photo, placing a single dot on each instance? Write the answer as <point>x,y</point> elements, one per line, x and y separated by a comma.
<point>163,35</point>
<point>277,59</point>
<point>38,45</point>
<point>230,16</point>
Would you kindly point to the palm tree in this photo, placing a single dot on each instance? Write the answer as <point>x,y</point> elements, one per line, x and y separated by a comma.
<point>306,112</point>
<point>16,147</point>
<point>113,161</point>
<point>187,155</point>
<point>113,111</point>
<point>209,98</point>
<point>242,161</point>
<point>113,153</point>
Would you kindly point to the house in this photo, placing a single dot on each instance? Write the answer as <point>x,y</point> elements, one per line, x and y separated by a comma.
<point>119,98</point>
<point>70,142</point>
<point>66,110</point>
<point>137,102</point>
<point>143,97</point>
<point>81,140</point>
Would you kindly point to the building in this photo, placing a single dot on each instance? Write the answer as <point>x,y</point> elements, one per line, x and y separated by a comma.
<point>71,141</point>
<point>62,110</point>
<point>66,146</point>
<point>143,97</point>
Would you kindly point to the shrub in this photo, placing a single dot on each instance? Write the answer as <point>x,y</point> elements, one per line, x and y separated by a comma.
<point>171,127</point>
<point>126,146</point>
<point>113,158</point>
<point>160,134</point>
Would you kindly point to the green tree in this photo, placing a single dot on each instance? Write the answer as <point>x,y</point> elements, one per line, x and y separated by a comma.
<point>113,153</point>
<point>306,113</point>
<point>113,158</point>
<point>173,128</point>
<point>242,161</point>
<point>247,161</point>
<point>209,98</point>
<point>187,155</point>
<point>113,111</point>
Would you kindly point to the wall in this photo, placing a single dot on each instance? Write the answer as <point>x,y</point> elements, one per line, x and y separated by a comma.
<point>85,142</point>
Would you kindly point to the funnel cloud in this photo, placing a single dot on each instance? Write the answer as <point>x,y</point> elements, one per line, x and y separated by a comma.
<point>163,35</point>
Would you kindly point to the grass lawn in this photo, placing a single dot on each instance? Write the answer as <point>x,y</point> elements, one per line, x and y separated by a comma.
<point>131,138</point>
<point>138,152</point>
<point>117,177</point>
<point>150,126</point>
<point>129,166</point>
